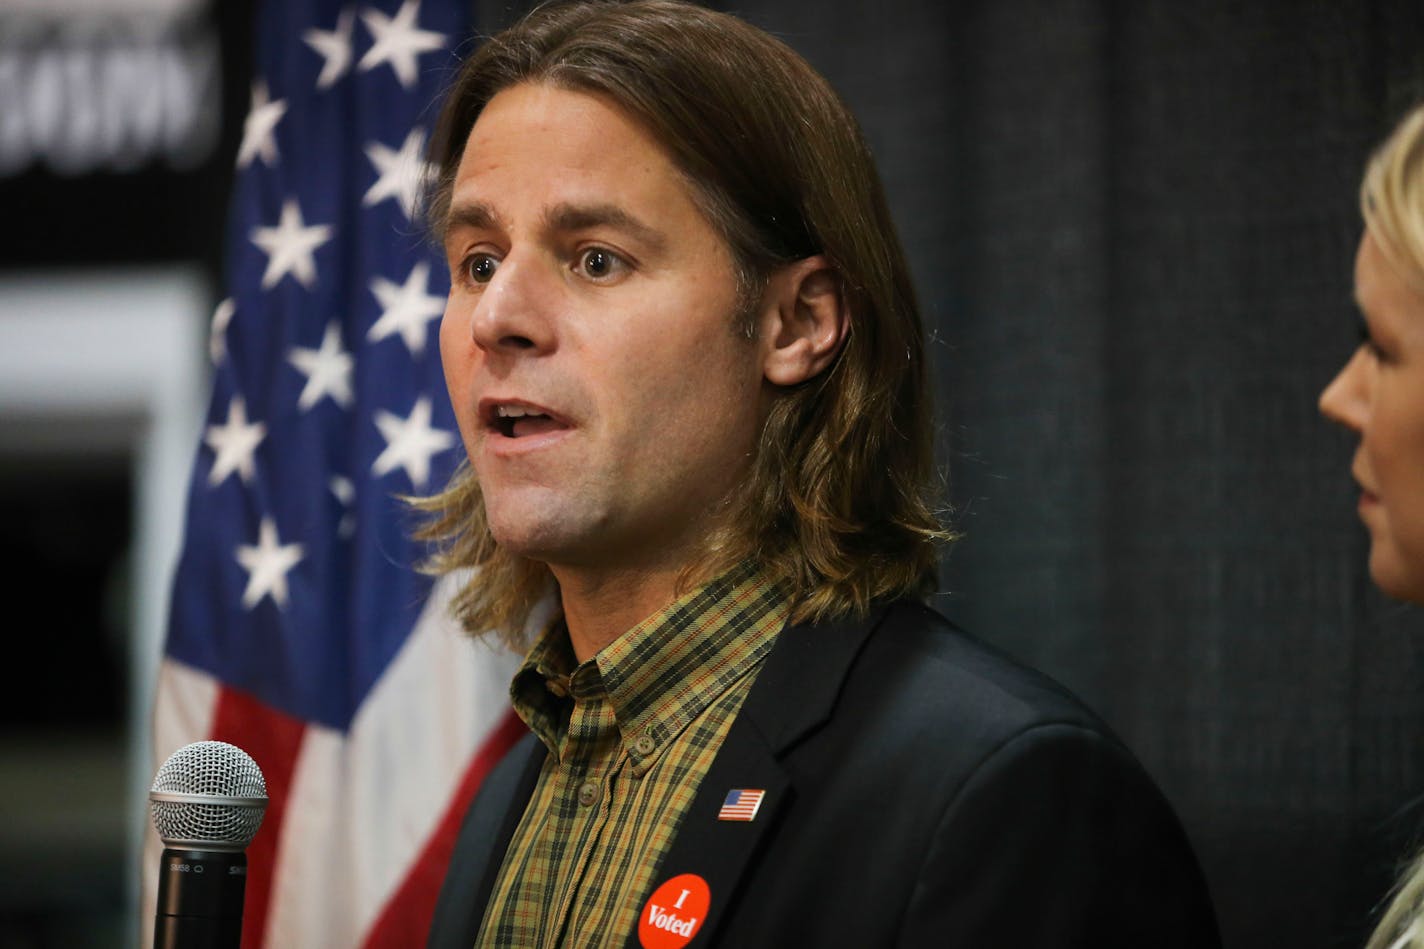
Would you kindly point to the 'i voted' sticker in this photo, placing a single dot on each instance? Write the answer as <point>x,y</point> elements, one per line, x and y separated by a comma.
<point>674,913</point>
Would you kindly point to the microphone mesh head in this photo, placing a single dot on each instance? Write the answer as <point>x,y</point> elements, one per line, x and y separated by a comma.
<point>209,769</point>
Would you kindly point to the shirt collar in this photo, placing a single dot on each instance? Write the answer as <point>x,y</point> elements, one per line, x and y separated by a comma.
<point>662,673</point>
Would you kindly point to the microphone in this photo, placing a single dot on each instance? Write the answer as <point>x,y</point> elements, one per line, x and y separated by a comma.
<point>207,802</point>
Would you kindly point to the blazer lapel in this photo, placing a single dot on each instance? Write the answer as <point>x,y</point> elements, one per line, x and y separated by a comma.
<point>479,850</point>
<point>794,693</point>
<point>498,844</point>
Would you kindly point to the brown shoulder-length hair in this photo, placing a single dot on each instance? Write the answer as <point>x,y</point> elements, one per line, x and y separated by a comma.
<point>839,507</point>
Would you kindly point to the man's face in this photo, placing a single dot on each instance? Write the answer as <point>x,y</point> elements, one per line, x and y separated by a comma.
<point>588,345</point>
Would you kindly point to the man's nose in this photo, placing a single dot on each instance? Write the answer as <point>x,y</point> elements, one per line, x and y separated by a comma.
<point>514,313</point>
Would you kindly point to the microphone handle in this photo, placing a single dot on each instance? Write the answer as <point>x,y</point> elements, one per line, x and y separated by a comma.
<point>200,894</point>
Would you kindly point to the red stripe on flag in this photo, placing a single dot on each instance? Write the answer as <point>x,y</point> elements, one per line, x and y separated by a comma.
<point>405,920</point>
<point>273,739</point>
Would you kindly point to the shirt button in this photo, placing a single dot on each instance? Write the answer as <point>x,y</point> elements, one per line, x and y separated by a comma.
<point>645,746</point>
<point>588,793</point>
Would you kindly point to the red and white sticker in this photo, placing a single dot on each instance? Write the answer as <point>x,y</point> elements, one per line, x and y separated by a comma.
<point>674,913</point>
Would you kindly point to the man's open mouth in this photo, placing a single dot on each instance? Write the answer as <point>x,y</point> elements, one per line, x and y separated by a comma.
<point>515,421</point>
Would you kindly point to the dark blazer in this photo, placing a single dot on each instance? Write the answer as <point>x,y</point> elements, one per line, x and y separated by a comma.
<point>921,790</point>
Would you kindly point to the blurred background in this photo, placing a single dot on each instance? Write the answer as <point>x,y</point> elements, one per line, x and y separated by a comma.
<point>119,120</point>
<point>1132,227</point>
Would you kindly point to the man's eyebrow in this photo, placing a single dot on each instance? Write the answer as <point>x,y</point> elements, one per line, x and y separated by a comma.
<point>474,215</point>
<point>477,215</point>
<point>577,217</point>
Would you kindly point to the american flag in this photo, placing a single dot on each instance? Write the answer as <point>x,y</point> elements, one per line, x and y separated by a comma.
<point>741,804</point>
<point>300,630</point>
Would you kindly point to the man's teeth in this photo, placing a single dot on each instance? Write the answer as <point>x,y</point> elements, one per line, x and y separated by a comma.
<point>513,411</point>
<point>507,417</point>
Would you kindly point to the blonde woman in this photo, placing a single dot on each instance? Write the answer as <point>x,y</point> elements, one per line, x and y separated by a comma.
<point>1379,395</point>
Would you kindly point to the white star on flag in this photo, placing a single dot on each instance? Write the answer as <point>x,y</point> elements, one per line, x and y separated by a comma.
<point>345,492</point>
<point>397,40</point>
<point>234,443</point>
<point>334,47</point>
<point>406,308</point>
<point>402,174</point>
<point>290,246</point>
<point>410,442</point>
<point>267,565</point>
<point>328,370</point>
<point>217,329</point>
<point>259,129</point>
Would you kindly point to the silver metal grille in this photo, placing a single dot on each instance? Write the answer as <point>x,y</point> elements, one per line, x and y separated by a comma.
<point>208,795</point>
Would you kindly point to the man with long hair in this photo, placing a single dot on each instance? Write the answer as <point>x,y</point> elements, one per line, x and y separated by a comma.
<point>688,368</point>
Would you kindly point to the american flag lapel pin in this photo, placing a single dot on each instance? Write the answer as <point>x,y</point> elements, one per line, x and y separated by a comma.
<point>741,804</point>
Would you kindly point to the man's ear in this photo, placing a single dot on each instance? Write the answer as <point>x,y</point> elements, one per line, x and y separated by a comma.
<point>803,322</point>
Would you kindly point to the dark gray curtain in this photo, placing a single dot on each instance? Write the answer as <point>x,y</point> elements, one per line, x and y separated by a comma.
<point>1133,225</point>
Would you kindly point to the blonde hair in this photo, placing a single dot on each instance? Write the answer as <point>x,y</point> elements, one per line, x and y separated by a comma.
<point>1392,202</point>
<point>839,504</point>
<point>1399,927</point>
<point>1392,197</point>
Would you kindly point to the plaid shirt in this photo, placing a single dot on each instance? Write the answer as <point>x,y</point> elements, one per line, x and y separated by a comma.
<point>630,733</point>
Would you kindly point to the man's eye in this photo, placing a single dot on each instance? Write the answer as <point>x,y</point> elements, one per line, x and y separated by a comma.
<point>481,267</point>
<point>601,264</point>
